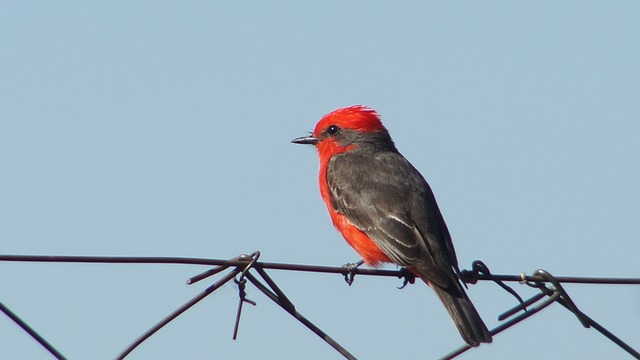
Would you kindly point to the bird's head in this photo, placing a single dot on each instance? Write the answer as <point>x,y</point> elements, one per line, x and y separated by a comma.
<point>347,128</point>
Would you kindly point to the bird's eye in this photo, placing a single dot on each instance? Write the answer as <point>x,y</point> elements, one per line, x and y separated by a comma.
<point>333,129</point>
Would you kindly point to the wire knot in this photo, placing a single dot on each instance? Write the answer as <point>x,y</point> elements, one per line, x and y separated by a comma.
<point>242,282</point>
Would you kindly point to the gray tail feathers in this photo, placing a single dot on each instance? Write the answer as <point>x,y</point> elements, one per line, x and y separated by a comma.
<point>464,315</point>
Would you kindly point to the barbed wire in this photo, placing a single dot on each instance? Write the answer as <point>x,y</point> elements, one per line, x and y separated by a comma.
<point>240,268</point>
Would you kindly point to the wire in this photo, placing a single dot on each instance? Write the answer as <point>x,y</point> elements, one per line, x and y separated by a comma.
<point>238,261</point>
<point>29,330</point>
<point>239,268</point>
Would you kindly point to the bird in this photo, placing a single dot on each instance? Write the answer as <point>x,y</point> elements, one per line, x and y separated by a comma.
<point>386,210</point>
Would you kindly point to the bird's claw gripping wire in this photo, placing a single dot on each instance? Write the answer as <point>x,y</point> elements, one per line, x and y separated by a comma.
<point>407,277</point>
<point>350,271</point>
<point>241,282</point>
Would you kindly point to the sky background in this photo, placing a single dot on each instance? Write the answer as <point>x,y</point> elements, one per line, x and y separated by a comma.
<point>163,128</point>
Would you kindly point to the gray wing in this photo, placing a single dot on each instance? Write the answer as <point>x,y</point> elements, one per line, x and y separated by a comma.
<point>385,197</point>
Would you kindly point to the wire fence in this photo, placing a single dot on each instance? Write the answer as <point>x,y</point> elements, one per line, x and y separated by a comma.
<point>245,269</point>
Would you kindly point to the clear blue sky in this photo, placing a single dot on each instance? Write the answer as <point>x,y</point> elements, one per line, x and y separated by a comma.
<point>163,128</point>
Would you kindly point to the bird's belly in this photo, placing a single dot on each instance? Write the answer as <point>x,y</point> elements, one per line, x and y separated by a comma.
<point>359,241</point>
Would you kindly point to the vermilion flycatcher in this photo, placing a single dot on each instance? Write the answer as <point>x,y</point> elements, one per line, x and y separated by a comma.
<point>385,209</point>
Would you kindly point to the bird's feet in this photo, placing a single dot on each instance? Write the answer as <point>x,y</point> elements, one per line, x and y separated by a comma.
<point>349,274</point>
<point>407,277</point>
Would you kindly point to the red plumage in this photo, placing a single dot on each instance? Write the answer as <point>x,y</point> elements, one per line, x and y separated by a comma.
<point>362,119</point>
<point>386,210</point>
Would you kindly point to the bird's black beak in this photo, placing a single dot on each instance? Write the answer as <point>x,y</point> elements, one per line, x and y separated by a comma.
<point>306,140</point>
